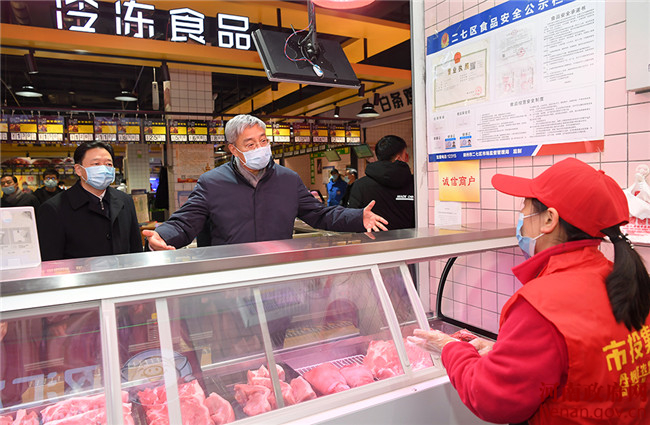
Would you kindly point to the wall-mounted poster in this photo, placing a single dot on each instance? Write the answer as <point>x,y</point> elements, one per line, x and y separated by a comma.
<point>106,129</point>
<point>50,129</point>
<point>128,130</point>
<point>519,79</point>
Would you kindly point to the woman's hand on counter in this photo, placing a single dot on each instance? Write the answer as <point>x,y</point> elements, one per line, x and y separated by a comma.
<point>371,221</point>
<point>156,243</point>
<point>483,346</point>
<point>432,341</point>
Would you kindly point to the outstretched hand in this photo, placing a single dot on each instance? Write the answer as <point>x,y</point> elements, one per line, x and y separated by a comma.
<point>156,243</point>
<point>432,340</point>
<point>371,221</point>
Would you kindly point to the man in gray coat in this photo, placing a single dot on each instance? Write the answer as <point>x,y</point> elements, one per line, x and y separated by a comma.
<point>252,198</point>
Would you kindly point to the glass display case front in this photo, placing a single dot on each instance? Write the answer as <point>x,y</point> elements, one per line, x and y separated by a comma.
<point>235,352</point>
<point>272,334</point>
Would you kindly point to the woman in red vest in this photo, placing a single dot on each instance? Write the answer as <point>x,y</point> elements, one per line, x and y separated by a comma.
<point>574,341</point>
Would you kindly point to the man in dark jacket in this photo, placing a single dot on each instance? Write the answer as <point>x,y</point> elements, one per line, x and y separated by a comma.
<point>12,196</point>
<point>90,218</point>
<point>50,186</point>
<point>390,183</point>
<point>252,198</point>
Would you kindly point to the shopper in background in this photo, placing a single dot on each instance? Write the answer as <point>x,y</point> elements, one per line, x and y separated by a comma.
<point>573,344</point>
<point>50,186</point>
<point>388,181</point>
<point>12,196</point>
<point>335,188</point>
<point>251,198</point>
<point>351,176</point>
<point>90,218</point>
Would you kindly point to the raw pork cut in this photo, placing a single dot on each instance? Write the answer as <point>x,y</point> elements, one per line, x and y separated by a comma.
<point>463,335</point>
<point>95,417</point>
<point>23,418</point>
<point>326,379</point>
<point>356,375</point>
<point>302,390</point>
<point>6,420</point>
<point>191,396</point>
<point>253,398</point>
<point>263,372</point>
<point>221,412</point>
<point>383,361</point>
<point>76,405</point>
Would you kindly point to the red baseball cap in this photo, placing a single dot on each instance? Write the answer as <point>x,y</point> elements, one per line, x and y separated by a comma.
<point>583,196</point>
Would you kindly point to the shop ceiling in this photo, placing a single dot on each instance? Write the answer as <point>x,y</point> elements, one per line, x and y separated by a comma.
<point>86,71</point>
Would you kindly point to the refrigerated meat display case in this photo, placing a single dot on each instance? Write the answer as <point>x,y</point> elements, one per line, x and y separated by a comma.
<point>309,330</point>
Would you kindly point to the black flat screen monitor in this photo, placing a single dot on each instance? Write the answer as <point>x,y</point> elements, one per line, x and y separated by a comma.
<point>332,156</point>
<point>336,69</point>
<point>362,151</point>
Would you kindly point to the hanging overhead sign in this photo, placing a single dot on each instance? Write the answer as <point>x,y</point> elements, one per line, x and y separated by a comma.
<point>50,129</point>
<point>81,129</point>
<point>155,131</point>
<point>22,128</point>
<point>197,131</point>
<point>128,130</point>
<point>520,79</point>
<point>106,129</point>
<point>216,130</point>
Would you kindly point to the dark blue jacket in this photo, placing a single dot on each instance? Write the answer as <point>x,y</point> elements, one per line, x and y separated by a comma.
<point>241,213</point>
<point>335,191</point>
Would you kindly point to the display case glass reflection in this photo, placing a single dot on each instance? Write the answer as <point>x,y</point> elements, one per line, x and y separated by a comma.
<point>51,367</point>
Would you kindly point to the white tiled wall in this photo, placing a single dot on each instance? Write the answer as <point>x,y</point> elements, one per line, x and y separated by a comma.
<point>479,285</point>
<point>191,92</point>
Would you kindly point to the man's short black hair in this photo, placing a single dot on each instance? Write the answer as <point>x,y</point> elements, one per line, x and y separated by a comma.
<point>51,172</point>
<point>10,175</point>
<point>389,146</point>
<point>334,171</point>
<point>81,150</point>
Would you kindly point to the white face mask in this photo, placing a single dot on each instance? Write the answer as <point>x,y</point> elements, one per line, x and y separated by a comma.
<point>257,158</point>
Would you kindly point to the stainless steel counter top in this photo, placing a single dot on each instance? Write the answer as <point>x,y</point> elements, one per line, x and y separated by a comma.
<point>414,244</point>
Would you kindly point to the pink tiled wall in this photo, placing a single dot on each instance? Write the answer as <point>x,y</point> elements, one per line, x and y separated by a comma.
<point>480,284</point>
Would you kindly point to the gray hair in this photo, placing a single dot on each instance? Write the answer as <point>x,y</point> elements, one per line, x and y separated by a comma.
<point>237,124</point>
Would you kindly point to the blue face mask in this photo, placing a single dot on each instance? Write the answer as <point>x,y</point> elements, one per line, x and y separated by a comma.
<point>100,176</point>
<point>526,244</point>
<point>9,190</point>
<point>257,158</point>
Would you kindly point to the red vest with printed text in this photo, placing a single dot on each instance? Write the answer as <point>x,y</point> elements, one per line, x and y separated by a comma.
<point>608,364</point>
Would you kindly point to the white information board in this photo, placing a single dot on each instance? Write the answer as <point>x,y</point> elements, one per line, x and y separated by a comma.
<point>18,238</point>
<point>523,78</point>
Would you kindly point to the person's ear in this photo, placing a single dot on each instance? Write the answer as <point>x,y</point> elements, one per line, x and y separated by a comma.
<point>551,220</point>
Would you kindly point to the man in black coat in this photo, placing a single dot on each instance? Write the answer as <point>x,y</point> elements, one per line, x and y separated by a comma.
<point>89,219</point>
<point>390,183</point>
<point>12,196</point>
<point>50,186</point>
